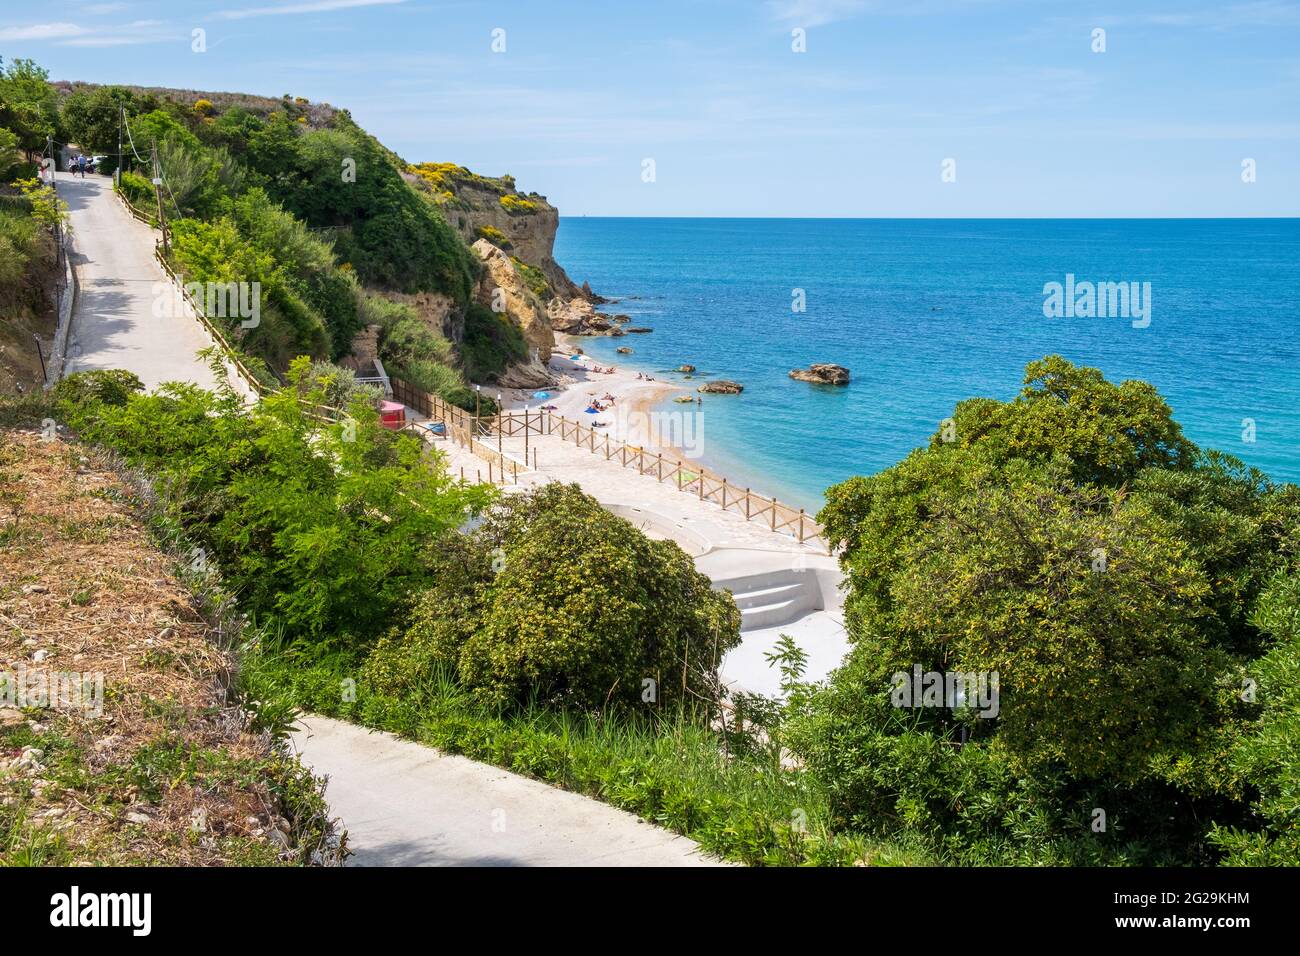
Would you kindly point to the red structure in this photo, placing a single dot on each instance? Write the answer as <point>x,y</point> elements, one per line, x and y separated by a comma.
<point>392,415</point>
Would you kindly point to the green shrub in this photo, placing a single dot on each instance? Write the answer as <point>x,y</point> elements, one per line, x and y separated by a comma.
<point>23,245</point>
<point>534,278</point>
<point>140,193</point>
<point>1268,753</point>
<point>492,343</point>
<point>102,386</point>
<point>494,236</point>
<point>323,531</point>
<point>556,598</point>
<point>221,252</point>
<point>1074,543</point>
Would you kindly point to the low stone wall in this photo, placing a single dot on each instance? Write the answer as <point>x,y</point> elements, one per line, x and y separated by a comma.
<point>67,297</point>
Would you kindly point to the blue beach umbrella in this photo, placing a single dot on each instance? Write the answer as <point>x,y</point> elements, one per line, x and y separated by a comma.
<point>575,358</point>
<point>541,394</point>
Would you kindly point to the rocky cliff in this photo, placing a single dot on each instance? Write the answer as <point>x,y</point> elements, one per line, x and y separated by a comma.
<point>523,225</point>
<point>513,234</point>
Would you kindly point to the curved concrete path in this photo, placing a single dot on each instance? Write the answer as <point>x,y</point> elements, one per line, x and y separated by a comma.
<point>113,321</point>
<point>405,804</point>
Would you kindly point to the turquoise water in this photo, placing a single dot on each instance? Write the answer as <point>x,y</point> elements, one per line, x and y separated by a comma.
<point>928,312</point>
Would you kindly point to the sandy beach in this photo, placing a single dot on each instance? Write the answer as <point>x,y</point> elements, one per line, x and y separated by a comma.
<point>625,418</point>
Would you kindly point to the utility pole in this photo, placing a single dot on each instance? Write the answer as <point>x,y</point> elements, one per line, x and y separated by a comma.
<point>157,191</point>
<point>117,173</point>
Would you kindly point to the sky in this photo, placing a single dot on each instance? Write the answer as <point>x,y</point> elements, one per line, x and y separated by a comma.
<point>893,108</point>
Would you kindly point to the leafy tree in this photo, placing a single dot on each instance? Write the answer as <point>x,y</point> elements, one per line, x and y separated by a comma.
<point>1108,432</point>
<point>28,104</point>
<point>90,117</point>
<point>8,150</point>
<point>558,598</point>
<point>1268,754</point>
<point>1076,543</point>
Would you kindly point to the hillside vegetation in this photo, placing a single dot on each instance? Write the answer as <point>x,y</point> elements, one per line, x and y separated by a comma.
<point>298,198</point>
<point>1135,596</point>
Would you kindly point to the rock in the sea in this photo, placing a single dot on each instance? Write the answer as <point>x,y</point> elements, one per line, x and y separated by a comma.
<point>579,317</point>
<point>623,350</point>
<point>723,387</point>
<point>637,328</point>
<point>822,374</point>
<point>688,369</point>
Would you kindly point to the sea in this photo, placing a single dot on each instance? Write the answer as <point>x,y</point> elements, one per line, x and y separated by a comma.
<point>927,312</point>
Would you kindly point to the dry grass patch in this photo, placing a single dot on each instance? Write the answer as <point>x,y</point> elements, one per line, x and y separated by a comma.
<point>159,768</point>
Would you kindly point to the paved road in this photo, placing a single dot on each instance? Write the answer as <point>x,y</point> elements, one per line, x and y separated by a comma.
<point>405,804</point>
<point>113,324</point>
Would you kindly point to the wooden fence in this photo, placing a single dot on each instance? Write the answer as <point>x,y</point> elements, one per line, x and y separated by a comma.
<point>693,479</point>
<point>135,212</point>
<point>689,478</point>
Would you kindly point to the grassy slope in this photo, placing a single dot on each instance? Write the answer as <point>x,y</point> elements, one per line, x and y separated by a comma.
<point>169,773</point>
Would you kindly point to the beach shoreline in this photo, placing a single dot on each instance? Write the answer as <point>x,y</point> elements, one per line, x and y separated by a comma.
<point>640,414</point>
<point>634,399</point>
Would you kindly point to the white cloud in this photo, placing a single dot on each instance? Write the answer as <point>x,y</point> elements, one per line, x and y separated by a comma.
<point>312,6</point>
<point>72,34</point>
<point>41,31</point>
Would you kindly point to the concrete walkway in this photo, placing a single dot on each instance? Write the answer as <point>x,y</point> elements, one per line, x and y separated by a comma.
<point>405,804</point>
<point>113,322</point>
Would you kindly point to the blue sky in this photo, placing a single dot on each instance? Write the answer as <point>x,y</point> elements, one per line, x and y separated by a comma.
<point>739,124</point>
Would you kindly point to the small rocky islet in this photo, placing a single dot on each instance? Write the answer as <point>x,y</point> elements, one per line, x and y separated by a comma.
<point>821,373</point>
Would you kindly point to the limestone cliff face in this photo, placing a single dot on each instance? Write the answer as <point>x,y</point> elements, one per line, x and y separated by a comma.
<point>503,289</point>
<point>439,312</point>
<point>522,225</point>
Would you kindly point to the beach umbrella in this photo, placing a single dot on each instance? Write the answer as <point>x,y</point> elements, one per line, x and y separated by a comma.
<point>575,358</point>
<point>541,394</point>
<point>591,411</point>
